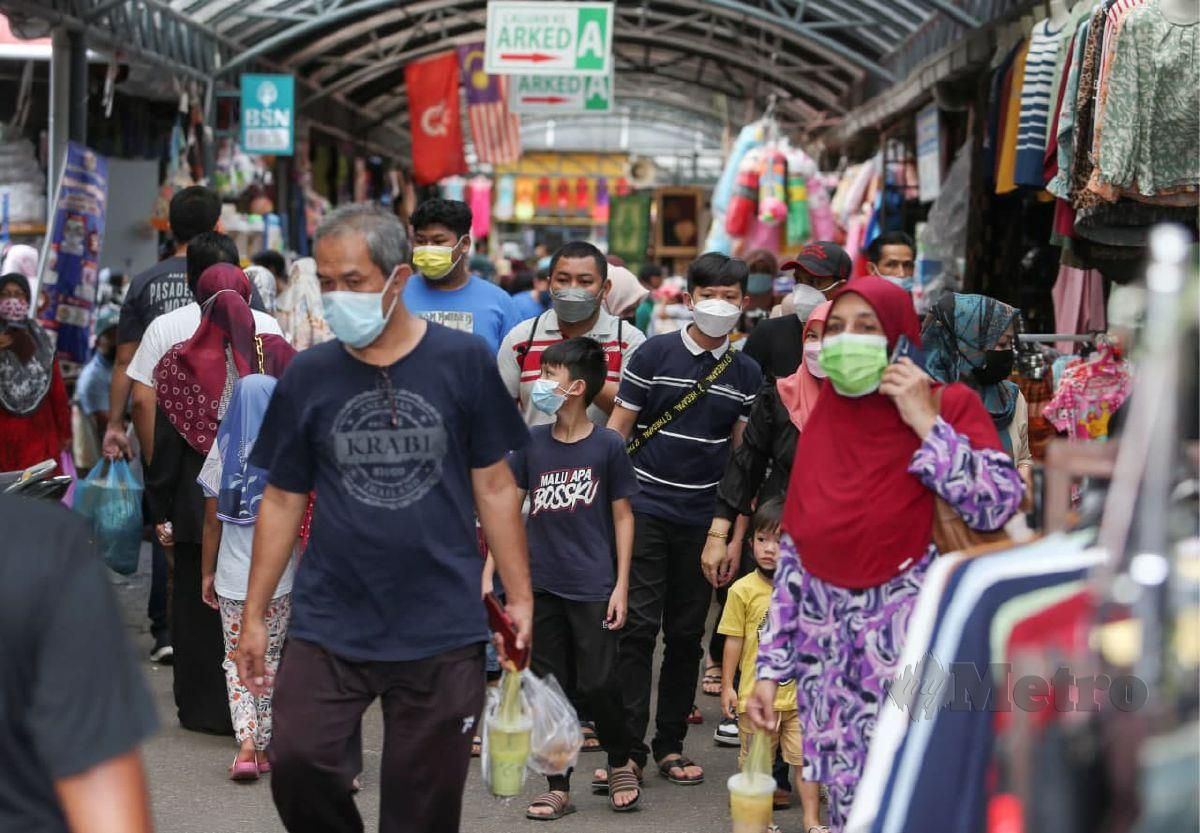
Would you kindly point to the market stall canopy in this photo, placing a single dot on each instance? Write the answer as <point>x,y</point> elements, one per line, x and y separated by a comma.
<point>814,56</point>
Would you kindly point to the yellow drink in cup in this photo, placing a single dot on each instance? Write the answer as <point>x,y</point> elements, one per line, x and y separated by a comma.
<point>750,798</point>
<point>508,751</point>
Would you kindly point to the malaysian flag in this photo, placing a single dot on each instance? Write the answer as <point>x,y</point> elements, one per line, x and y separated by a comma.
<point>496,131</point>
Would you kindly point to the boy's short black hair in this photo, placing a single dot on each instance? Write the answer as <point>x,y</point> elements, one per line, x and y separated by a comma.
<point>584,359</point>
<point>716,269</point>
<point>649,272</point>
<point>452,214</point>
<point>209,249</point>
<point>580,249</point>
<point>273,262</point>
<point>193,211</point>
<point>769,516</point>
<point>890,238</point>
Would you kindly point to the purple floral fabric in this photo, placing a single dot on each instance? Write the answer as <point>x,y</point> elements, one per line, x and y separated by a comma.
<point>842,645</point>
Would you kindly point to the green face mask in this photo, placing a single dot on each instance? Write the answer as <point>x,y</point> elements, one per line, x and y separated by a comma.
<point>854,362</point>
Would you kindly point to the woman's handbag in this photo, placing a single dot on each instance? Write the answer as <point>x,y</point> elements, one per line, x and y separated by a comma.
<point>950,531</point>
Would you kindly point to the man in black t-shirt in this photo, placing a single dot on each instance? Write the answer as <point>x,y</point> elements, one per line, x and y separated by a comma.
<point>73,704</point>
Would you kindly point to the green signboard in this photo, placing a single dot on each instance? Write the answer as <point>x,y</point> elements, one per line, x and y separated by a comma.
<point>629,228</point>
<point>525,38</point>
<point>549,94</point>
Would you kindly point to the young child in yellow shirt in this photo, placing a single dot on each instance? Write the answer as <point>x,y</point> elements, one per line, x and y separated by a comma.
<point>744,618</point>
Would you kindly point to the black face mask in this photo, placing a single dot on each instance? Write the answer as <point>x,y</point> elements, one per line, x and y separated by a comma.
<point>997,366</point>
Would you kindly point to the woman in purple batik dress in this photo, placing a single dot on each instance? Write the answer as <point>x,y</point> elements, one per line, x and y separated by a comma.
<point>875,453</point>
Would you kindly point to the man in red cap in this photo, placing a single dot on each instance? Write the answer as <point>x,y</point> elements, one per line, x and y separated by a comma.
<point>777,344</point>
<point>822,265</point>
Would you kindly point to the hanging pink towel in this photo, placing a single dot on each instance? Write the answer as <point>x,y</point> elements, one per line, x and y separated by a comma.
<point>479,194</point>
<point>1078,304</point>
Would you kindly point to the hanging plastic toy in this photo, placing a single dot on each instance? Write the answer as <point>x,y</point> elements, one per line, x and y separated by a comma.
<point>772,189</point>
<point>799,225</point>
<point>745,196</point>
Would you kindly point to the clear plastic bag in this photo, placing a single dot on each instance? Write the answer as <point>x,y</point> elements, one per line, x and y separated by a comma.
<point>528,725</point>
<point>556,738</point>
<point>111,498</point>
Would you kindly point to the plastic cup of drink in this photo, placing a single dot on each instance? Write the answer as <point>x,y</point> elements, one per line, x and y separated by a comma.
<point>750,801</point>
<point>508,752</point>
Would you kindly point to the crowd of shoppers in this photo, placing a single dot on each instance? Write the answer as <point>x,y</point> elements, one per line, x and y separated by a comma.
<point>322,441</point>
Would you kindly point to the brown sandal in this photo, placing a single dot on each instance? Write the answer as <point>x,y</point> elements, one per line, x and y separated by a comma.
<point>600,785</point>
<point>678,762</point>
<point>559,805</point>
<point>623,781</point>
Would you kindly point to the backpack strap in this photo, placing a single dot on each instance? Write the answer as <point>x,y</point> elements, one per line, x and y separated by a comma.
<point>523,350</point>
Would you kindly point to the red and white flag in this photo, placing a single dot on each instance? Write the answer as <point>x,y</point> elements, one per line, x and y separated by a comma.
<point>437,142</point>
<point>496,131</point>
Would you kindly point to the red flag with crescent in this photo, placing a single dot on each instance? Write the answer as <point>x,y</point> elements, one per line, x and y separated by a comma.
<point>437,142</point>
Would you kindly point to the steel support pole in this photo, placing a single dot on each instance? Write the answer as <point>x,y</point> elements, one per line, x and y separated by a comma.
<point>60,108</point>
<point>78,92</point>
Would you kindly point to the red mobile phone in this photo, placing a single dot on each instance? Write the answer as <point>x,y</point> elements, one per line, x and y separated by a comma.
<point>503,624</point>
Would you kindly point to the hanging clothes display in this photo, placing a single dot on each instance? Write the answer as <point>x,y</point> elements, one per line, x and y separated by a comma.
<point>1078,302</point>
<point>929,766</point>
<point>1089,393</point>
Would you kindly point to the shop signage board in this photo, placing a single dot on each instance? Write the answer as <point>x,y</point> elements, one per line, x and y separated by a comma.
<point>549,94</point>
<point>929,153</point>
<point>71,253</point>
<point>268,114</point>
<point>548,38</point>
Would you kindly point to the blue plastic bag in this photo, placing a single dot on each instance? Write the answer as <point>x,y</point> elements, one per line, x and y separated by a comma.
<point>111,498</point>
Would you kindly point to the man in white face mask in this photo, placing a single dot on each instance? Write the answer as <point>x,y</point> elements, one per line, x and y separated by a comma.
<point>682,404</point>
<point>893,257</point>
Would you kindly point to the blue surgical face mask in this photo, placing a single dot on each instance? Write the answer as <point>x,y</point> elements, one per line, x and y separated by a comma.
<point>545,396</point>
<point>357,318</point>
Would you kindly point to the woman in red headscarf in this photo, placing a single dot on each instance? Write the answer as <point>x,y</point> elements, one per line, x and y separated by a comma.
<point>875,453</point>
<point>193,382</point>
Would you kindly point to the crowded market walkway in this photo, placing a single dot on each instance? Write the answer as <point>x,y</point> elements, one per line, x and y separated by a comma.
<point>191,792</point>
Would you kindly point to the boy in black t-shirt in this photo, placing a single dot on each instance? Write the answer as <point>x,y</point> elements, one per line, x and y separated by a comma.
<point>579,479</point>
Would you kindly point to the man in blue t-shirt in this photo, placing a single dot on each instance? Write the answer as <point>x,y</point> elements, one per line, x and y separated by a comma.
<point>683,401</point>
<point>401,427</point>
<point>444,291</point>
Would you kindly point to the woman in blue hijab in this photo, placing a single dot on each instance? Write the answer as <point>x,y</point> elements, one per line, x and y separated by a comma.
<point>972,339</point>
<point>233,489</point>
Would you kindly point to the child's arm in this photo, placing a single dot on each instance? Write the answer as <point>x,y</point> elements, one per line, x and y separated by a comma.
<point>618,604</point>
<point>209,547</point>
<point>729,665</point>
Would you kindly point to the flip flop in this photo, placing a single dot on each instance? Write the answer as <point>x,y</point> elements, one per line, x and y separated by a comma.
<point>710,684</point>
<point>559,806</point>
<point>695,717</point>
<point>623,781</point>
<point>678,762</point>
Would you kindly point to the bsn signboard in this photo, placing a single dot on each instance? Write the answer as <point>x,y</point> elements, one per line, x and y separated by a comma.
<point>549,38</point>
<point>546,94</point>
<point>268,114</point>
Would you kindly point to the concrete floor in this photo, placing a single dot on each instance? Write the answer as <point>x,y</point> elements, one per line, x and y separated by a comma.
<point>190,792</point>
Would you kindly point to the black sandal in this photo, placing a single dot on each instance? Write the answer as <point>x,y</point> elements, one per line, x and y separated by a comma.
<point>559,806</point>
<point>678,762</point>
<point>710,684</point>
<point>623,781</point>
<point>591,741</point>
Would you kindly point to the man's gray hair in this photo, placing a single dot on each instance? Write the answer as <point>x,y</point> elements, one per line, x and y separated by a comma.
<point>387,240</point>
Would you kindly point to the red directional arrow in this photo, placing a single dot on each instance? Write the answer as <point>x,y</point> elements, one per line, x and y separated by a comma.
<point>532,57</point>
<point>544,99</point>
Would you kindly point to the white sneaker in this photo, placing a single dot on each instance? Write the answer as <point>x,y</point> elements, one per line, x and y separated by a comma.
<point>163,654</point>
<point>727,733</point>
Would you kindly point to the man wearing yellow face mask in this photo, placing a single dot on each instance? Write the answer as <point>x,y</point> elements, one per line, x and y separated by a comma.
<point>443,290</point>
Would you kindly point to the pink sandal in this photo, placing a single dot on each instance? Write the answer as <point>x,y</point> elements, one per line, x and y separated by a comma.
<point>243,770</point>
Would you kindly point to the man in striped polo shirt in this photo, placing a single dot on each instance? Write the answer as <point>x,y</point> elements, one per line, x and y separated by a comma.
<point>684,400</point>
<point>578,284</point>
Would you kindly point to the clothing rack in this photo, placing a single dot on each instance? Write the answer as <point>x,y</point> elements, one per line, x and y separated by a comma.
<point>1040,337</point>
